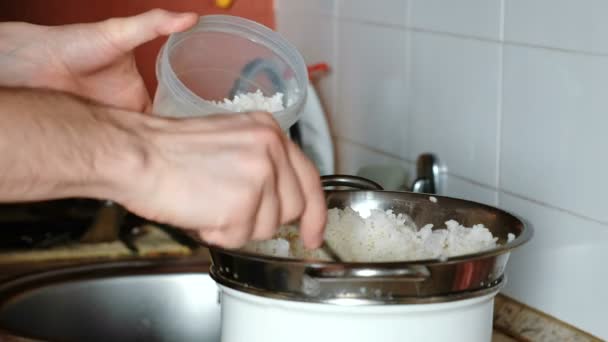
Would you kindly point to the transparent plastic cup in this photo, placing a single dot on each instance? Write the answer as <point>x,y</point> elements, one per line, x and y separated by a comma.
<point>223,56</point>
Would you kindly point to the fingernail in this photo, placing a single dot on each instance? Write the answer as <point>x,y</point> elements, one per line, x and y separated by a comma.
<point>180,15</point>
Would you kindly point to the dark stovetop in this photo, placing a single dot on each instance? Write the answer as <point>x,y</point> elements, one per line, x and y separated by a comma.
<point>43,224</point>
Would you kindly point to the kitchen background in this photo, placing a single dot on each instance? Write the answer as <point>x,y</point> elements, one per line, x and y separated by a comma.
<point>509,94</point>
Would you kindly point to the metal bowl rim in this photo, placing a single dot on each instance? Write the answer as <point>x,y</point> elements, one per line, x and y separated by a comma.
<point>399,300</point>
<point>526,234</point>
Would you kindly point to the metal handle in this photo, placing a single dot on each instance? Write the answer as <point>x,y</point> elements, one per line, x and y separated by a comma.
<point>414,273</point>
<point>350,181</point>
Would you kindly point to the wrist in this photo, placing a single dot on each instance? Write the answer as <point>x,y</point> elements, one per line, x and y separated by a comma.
<point>121,161</point>
<point>68,147</point>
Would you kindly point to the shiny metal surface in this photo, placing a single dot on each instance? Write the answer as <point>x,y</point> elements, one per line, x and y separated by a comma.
<point>136,301</point>
<point>345,181</point>
<point>423,185</point>
<point>427,174</point>
<point>350,181</point>
<point>388,282</point>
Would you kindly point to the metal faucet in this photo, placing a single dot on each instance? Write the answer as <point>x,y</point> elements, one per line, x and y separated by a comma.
<point>427,174</point>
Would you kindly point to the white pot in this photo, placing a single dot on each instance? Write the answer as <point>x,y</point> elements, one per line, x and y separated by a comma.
<point>251,318</point>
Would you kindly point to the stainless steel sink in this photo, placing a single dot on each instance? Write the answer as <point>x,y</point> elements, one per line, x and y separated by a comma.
<point>136,301</point>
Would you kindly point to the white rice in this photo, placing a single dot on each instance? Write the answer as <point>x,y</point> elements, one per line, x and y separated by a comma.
<point>383,236</point>
<point>247,102</point>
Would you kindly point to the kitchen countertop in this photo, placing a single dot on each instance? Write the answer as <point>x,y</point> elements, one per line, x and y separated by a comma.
<point>524,323</point>
<point>501,337</point>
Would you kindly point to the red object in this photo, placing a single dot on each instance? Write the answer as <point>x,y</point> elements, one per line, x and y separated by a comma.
<point>316,69</point>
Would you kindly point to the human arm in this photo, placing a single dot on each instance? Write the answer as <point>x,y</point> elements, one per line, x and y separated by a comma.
<point>231,178</point>
<point>93,60</point>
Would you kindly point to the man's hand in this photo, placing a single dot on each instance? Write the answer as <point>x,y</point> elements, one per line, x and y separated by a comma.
<point>90,60</point>
<point>230,178</point>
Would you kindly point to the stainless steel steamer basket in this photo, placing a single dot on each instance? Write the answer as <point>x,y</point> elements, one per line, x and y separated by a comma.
<point>424,281</point>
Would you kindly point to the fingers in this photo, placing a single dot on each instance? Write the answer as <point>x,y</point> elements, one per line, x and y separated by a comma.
<point>314,216</point>
<point>289,189</point>
<point>269,211</point>
<point>300,190</point>
<point>128,33</point>
<point>137,98</point>
<point>255,179</point>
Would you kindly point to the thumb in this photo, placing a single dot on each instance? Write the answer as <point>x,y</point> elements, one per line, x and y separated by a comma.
<point>130,32</point>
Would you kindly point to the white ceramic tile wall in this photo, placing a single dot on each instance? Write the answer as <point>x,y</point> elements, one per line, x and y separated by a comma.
<point>352,156</point>
<point>579,25</point>
<point>521,122</point>
<point>315,44</point>
<point>303,6</point>
<point>386,12</point>
<point>454,90</point>
<point>555,120</point>
<point>371,92</point>
<point>562,270</point>
<point>478,18</point>
<point>463,188</point>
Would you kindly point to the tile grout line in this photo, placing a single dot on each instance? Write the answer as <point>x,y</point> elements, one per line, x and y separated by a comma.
<point>554,49</point>
<point>407,27</point>
<point>528,199</point>
<point>453,35</point>
<point>408,80</point>
<point>470,37</point>
<point>337,5</point>
<point>501,94</point>
<point>415,29</point>
<point>373,149</point>
<point>476,183</point>
<point>508,42</point>
<point>372,23</point>
<point>501,27</point>
<point>551,206</point>
<point>499,190</point>
<point>337,74</point>
<point>408,12</point>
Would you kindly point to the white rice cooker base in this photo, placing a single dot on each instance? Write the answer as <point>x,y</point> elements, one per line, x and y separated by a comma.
<point>246,317</point>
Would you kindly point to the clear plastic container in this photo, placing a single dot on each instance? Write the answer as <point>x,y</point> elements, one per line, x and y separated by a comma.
<point>225,55</point>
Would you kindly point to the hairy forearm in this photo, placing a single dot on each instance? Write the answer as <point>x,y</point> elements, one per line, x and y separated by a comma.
<point>53,145</point>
